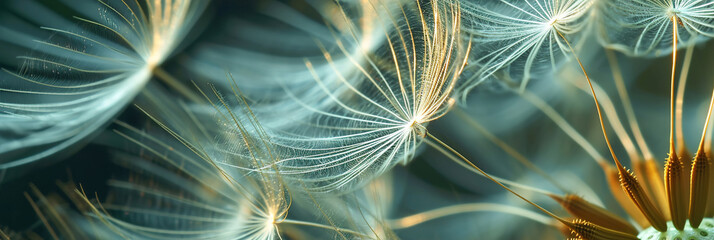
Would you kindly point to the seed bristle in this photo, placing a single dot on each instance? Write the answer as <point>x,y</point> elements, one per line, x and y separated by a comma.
<point>677,186</point>
<point>634,190</point>
<point>587,230</point>
<point>583,209</point>
<point>653,178</point>
<point>699,194</point>
<point>710,204</point>
<point>613,182</point>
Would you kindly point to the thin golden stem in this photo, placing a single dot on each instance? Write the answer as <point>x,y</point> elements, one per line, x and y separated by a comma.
<point>317,225</point>
<point>440,144</point>
<point>507,148</point>
<point>649,169</point>
<point>468,167</point>
<point>597,104</point>
<point>612,117</point>
<point>705,132</point>
<point>653,185</point>
<point>674,68</point>
<point>708,138</point>
<point>419,218</point>
<point>627,104</point>
<point>564,125</point>
<point>650,186</point>
<point>680,96</point>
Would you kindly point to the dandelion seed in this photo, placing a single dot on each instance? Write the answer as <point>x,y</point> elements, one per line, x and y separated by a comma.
<point>642,27</point>
<point>379,121</point>
<point>519,38</point>
<point>75,82</point>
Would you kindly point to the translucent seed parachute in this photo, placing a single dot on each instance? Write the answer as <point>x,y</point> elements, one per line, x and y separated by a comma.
<point>83,69</point>
<point>380,120</point>
<point>519,38</point>
<point>643,27</point>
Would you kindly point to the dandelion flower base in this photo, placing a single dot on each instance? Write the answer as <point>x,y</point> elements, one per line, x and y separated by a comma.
<point>705,231</point>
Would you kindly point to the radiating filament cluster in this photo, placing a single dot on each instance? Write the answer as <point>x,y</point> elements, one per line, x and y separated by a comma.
<point>356,119</point>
